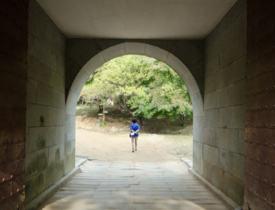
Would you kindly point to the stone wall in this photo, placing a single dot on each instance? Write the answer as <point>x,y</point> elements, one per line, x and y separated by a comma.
<point>47,153</point>
<point>224,103</point>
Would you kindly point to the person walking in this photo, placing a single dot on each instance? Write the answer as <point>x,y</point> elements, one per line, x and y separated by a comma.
<point>134,128</point>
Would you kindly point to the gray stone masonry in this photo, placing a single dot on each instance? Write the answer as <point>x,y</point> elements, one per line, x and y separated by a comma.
<point>224,105</point>
<point>46,156</point>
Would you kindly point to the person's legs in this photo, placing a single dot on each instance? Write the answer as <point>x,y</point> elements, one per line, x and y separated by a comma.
<point>136,143</point>
<point>133,139</point>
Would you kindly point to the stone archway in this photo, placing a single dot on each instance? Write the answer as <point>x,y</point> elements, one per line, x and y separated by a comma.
<point>150,51</point>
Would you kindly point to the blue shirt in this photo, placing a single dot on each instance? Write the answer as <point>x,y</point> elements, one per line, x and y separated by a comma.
<point>135,127</point>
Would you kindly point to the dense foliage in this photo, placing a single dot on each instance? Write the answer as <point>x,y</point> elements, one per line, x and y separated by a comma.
<point>142,86</point>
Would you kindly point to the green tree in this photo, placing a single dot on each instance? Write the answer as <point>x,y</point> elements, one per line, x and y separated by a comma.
<point>142,86</point>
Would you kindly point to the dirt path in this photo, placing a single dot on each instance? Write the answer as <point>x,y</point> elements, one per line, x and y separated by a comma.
<point>117,147</point>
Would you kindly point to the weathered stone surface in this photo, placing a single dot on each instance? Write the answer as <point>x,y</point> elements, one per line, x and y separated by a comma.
<point>58,82</point>
<point>39,72</point>
<point>59,49</point>
<point>35,185</point>
<point>233,72</point>
<point>222,97</point>
<point>230,54</point>
<point>233,187</point>
<point>209,136</point>
<point>236,93</point>
<point>232,117</point>
<point>40,138</point>
<point>211,118</point>
<point>198,125</point>
<point>38,115</point>
<point>211,154</point>
<point>213,174</point>
<point>43,54</point>
<point>56,154</point>
<point>31,91</point>
<point>82,50</point>
<point>210,100</point>
<point>58,99</point>
<point>212,66</point>
<point>238,141</point>
<point>44,95</point>
<point>59,134</point>
<point>58,116</point>
<point>36,162</point>
<point>198,156</point>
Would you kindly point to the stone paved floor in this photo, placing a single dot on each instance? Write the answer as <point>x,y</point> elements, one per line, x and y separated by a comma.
<point>129,185</point>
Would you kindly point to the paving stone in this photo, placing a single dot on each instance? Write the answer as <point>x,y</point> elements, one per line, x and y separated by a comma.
<point>102,185</point>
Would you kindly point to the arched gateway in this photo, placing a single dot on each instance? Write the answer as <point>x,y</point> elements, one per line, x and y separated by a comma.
<point>138,49</point>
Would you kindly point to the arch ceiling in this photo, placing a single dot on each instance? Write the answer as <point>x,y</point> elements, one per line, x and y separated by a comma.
<point>136,19</point>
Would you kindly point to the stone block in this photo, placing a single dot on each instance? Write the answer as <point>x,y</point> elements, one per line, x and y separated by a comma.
<point>56,154</point>
<point>40,15</point>
<point>72,70</point>
<point>211,155</point>
<point>197,104</point>
<point>233,188</point>
<point>58,116</point>
<point>40,138</point>
<point>211,51</point>
<point>197,70</point>
<point>42,54</point>
<point>233,72</point>
<point>163,44</point>
<point>59,134</point>
<point>198,157</point>
<point>59,49</point>
<point>133,48</point>
<point>225,117</point>
<point>213,82</point>
<point>54,172</point>
<point>82,50</point>
<point>236,93</point>
<point>190,83</point>
<point>45,95</point>
<point>230,54</point>
<point>198,125</point>
<point>39,72</point>
<point>70,156</point>
<point>232,117</point>
<point>71,103</point>
<point>34,186</point>
<point>79,81</point>
<point>70,128</point>
<point>226,38</point>
<point>222,97</point>
<point>31,91</point>
<point>209,136</point>
<point>106,43</point>
<point>211,118</point>
<point>213,174</point>
<point>156,52</point>
<point>240,25</point>
<point>212,66</point>
<point>224,137</point>
<point>58,82</point>
<point>36,162</point>
<point>60,65</point>
<point>176,64</point>
<point>187,52</point>
<point>58,99</point>
<point>40,32</point>
<point>58,35</point>
<point>38,115</point>
<point>114,52</point>
<point>210,100</point>
<point>238,116</point>
<point>93,64</point>
<point>237,144</point>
